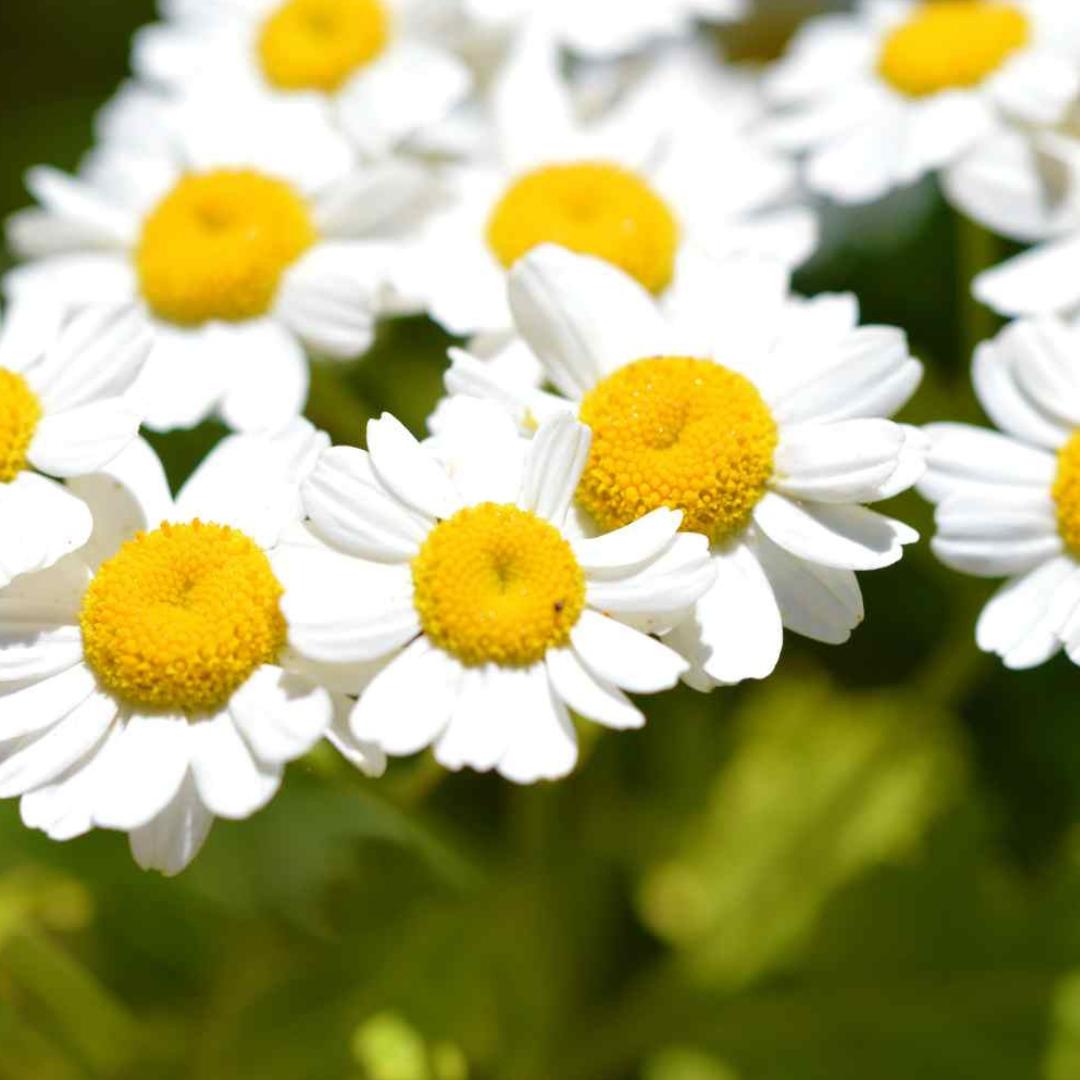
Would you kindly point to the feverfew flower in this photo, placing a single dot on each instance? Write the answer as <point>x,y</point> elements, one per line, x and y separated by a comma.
<point>902,88</point>
<point>448,568</point>
<point>757,415</point>
<point>146,682</point>
<point>1008,504</point>
<point>634,187</point>
<point>63,413</point>
<point>243,244</point>
<point>604,28</point>
<point>379,69</point>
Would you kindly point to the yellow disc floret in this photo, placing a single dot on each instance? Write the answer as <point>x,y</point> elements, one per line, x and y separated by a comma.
<point>495,584</point>
<point>679,432</point>
<point>951,44</point>
<point>319,44</point>
<point>1066,493</point>
<point>180,618</point>
<point>20,412</point>
<point>592,208</point>
<point>217,245</point>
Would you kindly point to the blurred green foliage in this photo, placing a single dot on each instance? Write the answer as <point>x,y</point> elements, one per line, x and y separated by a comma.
<point>868,868</point>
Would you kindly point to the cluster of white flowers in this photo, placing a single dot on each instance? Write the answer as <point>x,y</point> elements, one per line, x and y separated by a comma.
<point>652,457</point>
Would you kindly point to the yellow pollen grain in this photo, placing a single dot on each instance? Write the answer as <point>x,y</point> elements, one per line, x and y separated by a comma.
<point>20,412</point>
<point>951,44</point>
<point>496,584</point>
<point>320,44</point>
<point>180,618</point>
<point>1066,493</point>
<point>592,208</point>
<point>679,432</point>
<point>218,244</point>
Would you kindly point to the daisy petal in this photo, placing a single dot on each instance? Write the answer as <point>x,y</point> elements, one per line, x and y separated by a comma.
<point>543,743</point>
<point>84,439</point>
<point>170,842</point>
<point>280,715</point>
<point>145,770</point>
<point>624,656</point>
<point>845,537</point>
<point>616,553</point>
<point>42,704</point>
<point>480,728</point>
<point>52,523</point>
<point>409,703</point>
<point>556,459</point>
<point>268,383</point>
<point>589,695</point>
<point>1038,282</point>
<point>230,780</point>
<point>408,470</point>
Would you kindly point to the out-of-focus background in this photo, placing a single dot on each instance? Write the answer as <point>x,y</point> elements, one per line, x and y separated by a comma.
<point>866,869</point>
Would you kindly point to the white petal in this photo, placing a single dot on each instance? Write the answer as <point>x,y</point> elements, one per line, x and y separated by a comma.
<point>35,760</point>
<point>145,770</point>
<point>369,200</point>
<point>231,781</point>
<point>170,842</point>
<point>42,704</point>
<point>408,470</point>
<point>366,757</point>
<point>409,703</point>
<point>1023,621</point>
<point>45,522</point>
<point>615,553</point>
<point>32,649</point>
<point>962,458</point>
<point>590,695</point>
<point>328,299</point>
<point>184,379</point>
<point>738,621</point>
<point>846,537</point>
<point>874,375</point>
<point>557,458</point>
<point>350,509</point>
<point>624,656</point>
<point>98,355</point>
<point>543,743</point>
<point>1043,280</point>
<point>582,317</point>
<point>481,723</point>
<point>819,602</point>
<point>1009,534</point>
<point>281,715</point>
<point>268,383</point>
<point>849,461</point>
<point>84,439</point>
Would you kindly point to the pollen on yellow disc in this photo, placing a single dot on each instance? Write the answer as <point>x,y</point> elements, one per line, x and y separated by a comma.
<point>591,208</point>
<point>1066,493</point>
<point>20,412</point>
<point>217,245</point>
<point>951,44</point>
<point>180,618</point>
<point>496,584</point>
<point>679,432</point>
<point>320,44</point>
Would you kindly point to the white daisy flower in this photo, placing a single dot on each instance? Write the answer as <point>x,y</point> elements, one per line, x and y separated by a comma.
<point>633,187</point>
<point>1008,503</point>
<point>901,88</point>
<point>1027,187</point>
<point>244,244</point>
<point>145,681</point>
<point>448,567</point>
<point>63,413</point>
<point>604,28</point>
<point>379,69</point>
<point>757,415</point>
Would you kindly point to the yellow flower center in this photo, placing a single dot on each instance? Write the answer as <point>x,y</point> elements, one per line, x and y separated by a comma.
<point>180,618</point>
<point>949,44</point>
<point>319,44</point>
<point>1066,492</point>
<point>20,412</point>
<point>217,245</point>
<point>678,432</point>
<point>592,208</point>
<point>495,584</point>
